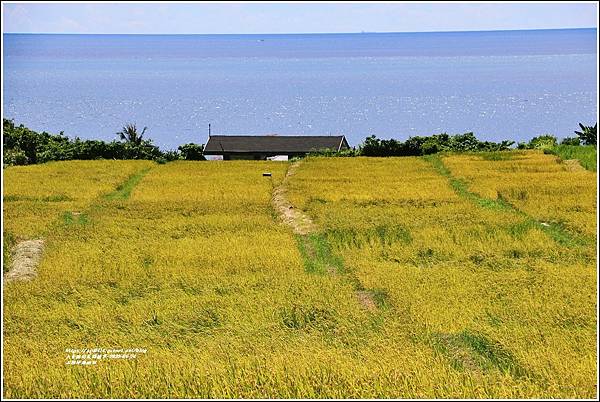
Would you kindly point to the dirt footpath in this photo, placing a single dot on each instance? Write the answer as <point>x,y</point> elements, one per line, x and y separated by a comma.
<point>295,218</point>
<point>301,224</point>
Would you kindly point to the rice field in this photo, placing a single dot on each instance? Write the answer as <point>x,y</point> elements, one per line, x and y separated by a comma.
<point>419,282</point>
<point>536,184</point>
<point>38,198</point>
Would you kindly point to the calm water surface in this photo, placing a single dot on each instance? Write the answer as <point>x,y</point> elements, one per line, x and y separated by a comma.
<point>500,85</point>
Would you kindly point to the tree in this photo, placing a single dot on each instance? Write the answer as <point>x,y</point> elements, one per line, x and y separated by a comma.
<point>588,135</point>
<point>466,142</point>
<point>130,135</point>
<point>192,152</point>
<point>542,142</point>
<point>570,141</point>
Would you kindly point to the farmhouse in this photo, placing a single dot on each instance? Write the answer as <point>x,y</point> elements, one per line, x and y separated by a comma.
<point>260,147</point>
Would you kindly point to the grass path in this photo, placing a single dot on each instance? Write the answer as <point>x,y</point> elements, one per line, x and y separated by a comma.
<point>554,230</point>
<point>123,190</point>
<point>314,247</point>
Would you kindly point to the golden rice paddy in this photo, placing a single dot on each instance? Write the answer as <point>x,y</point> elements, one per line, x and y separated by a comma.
<point>190,262</point>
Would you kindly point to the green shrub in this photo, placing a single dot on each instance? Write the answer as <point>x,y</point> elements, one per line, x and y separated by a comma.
<point>464,142</point>
<point>15,156</point>
<point>543,141</point>
<point>342,153</point>
<point>192,152</point>
<point>418,145</point>
<point>24,146</point>
<point>430,147</point>
<point>172,156</point>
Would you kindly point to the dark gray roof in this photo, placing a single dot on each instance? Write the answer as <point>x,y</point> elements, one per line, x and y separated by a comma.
<point>273,144</point>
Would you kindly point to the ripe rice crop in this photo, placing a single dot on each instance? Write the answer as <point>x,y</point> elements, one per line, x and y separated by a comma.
<point>484,287</point>
<point>418,292</point>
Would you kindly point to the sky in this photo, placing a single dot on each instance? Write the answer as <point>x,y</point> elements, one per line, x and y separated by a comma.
<point>248,18</point>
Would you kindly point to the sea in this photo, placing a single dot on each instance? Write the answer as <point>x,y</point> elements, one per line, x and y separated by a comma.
<point>497,84</point>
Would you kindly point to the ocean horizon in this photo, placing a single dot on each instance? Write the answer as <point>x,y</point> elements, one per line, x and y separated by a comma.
<point>498,84</point>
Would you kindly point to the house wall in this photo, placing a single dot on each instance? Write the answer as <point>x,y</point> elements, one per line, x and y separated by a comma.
<point>244,157</point>
<point>256,157</point>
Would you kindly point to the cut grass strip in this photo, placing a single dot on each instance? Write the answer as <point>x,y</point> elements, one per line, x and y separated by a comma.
<point>554,230</point>
<point>123,190</point>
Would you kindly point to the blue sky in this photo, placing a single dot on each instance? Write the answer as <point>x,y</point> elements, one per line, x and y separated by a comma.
<point>213,18</point>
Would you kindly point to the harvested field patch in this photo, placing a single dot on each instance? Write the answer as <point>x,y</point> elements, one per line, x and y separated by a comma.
<point>25,258</point>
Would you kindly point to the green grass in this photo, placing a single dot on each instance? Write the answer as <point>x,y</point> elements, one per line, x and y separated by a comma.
<point>585,154</point>
<point>317,255</point>
<point>468,350</point>
<point>124,190</point>
<point>69,218</point>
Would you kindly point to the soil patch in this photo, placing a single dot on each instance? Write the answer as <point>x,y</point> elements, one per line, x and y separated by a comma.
<point>365,298</point>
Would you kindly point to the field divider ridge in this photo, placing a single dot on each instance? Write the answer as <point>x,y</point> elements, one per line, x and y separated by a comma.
<point>554,230</point>
<point>123,190</point>
<point>314,246</point>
